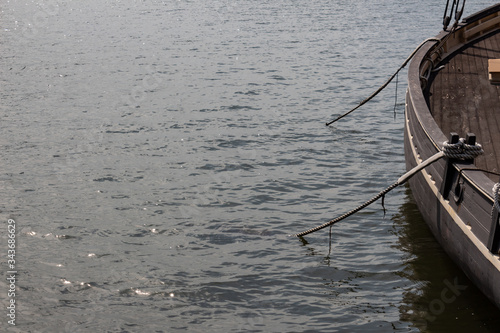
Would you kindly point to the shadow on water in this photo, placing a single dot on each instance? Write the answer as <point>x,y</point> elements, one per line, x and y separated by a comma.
<point>442,298</point>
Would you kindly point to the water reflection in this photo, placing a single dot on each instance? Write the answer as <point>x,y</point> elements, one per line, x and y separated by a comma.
<point>442,298</point>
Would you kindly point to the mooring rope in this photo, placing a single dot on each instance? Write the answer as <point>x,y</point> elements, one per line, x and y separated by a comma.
<point>382,87</point>
<point>363,102</point>
<point>355,210</point>
<point>459,150</point>
<point>462,150</point>
<point>496,195</point>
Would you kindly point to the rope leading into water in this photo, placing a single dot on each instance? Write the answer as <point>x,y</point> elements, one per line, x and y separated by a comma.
<point>459,150</point>
<point>386,83</point>
<point>496,195</point>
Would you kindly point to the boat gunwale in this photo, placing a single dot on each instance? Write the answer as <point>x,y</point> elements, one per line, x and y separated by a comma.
<point>421,109</point>
<point>481,14</point>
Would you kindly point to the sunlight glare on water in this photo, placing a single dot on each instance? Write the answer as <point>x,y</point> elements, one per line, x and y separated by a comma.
<point>157,156</point>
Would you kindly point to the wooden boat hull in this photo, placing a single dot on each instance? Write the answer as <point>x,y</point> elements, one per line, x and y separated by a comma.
<point>454,197</point>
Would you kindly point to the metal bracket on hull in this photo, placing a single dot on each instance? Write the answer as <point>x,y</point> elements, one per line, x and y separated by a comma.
<point>494,239</point>
<point>458,192</point>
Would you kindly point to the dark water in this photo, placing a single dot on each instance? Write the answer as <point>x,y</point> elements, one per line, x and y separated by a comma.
<point>157,156</point>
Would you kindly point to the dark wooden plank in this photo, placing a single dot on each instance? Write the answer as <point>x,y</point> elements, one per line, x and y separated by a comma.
<point>484,128</point>
<point>462,99</point>
<point>493,110</point>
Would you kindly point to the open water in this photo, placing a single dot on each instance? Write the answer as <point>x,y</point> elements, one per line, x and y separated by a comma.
<point>157,156</point>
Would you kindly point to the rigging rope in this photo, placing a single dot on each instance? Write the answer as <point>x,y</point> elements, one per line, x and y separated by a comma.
<point>458,13</point>
<point>459,150</point>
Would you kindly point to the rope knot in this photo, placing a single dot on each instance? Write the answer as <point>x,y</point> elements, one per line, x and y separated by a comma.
<point>462,150</point>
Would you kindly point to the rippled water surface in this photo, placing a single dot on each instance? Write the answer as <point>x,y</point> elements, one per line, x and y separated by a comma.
<point>157,156</point>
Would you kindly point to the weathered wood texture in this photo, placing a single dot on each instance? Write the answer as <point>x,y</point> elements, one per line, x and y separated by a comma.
<point>462,99</point>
